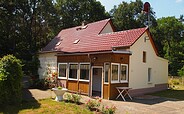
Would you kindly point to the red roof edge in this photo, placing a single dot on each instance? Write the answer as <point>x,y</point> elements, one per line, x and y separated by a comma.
<point>140,35</point>
<point>110,21</point>
<point>152,42</point>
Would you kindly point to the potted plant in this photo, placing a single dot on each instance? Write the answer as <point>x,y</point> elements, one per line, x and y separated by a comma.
<point>59,91</point>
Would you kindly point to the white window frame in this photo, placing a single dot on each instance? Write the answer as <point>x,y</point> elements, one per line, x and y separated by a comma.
<point>118,72</point>
<point>104,72</point>
<point>66,71</point>
<point>89,72</point>
<point>126,73</point>
<point>69,72</point>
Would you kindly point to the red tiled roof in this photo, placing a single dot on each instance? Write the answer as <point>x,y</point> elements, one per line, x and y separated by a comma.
<point>91,40</point>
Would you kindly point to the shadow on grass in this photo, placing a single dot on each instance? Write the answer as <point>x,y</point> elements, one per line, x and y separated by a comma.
<point>158,97</point>
<point>28,102</point>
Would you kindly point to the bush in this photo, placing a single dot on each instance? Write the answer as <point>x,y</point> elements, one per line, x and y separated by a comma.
<point>10,80</point>
<point>181,71</point>
<point>73,98</point>
<point>108,110</point>
<point>93,104</point>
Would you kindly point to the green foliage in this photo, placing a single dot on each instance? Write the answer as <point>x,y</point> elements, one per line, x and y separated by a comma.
<point>10,80</point>
<point>68,97</point>
<point>169,42</point>
<point>29,25</point>
<point>74,12</point>
<point>128,15</point>
<point>108,110</point>
<point>93,104</point>
<point>181,71</point>
<point>73,98</point>
<point>76,98</point>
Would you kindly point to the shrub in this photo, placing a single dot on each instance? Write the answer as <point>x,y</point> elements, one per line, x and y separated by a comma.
<point>68,97</point>
<point>181,71</point>
<point>108,110</point>
<point>93,104</point>
<point>10,80</point>
<point>73,98</point>
<point>76,98</point>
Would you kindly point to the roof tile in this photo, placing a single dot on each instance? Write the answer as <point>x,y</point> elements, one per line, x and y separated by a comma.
<point>91,40</point>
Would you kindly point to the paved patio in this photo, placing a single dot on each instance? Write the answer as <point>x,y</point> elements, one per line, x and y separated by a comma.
<point>139,105</point>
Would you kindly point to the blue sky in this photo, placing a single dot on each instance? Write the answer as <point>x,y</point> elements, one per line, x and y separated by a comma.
<point>163,8</point>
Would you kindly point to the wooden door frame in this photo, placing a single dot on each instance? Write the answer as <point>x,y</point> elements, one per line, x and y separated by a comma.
<point>91,80</point>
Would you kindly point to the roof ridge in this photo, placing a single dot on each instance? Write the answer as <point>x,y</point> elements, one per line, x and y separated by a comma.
<point>110,33</point>
<point>95,22</point>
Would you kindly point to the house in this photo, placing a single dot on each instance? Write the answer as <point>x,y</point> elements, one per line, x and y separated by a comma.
<point>94,59</point>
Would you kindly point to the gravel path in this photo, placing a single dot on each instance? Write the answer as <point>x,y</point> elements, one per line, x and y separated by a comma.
<point>139,105</point>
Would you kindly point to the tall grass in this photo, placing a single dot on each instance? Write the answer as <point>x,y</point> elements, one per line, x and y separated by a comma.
<point>176,82</point>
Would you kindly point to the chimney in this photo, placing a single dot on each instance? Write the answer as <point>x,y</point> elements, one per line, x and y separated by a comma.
<point>84,23</point>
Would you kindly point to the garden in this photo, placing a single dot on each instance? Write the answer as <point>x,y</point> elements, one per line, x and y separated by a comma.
<point>11,94</point>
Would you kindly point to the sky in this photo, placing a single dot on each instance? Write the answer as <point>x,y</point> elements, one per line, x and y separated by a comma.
<point>162,8</point>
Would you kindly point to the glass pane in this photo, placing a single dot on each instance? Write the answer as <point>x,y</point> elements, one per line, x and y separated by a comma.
<point>62,70</point>
<point>149,74</point>
<point>123,72</point>
<point>114,72</point>
<point>84,71</point>
<point>107,66</point>
<point>73,71</point>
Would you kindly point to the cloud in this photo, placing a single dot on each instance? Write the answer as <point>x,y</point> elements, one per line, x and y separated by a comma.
<point>178,1</point>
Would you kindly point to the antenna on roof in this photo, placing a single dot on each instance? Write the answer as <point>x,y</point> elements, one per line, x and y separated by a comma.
<point>146,9</point>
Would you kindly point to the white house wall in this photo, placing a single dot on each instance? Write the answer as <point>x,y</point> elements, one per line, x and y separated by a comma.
<point>45,60</point>
<point>107,29</point>
<point>138,70</point>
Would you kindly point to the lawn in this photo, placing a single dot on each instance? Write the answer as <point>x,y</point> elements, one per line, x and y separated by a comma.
<point>46,106</point>
<point>177,92</point>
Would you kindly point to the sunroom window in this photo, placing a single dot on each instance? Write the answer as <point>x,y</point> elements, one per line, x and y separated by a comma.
<point>123,72</point>
<point>84,71</point>
<point>115,73</point>
<point>62,67</point>
<point>106,72</point>
<point>73,71</point>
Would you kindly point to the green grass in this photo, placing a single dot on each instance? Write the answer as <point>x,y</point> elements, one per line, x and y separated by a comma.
<point>46,106</point>
<point>177,92</point>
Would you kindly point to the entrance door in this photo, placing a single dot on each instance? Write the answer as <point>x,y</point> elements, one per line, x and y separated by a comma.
<point>97,81</point>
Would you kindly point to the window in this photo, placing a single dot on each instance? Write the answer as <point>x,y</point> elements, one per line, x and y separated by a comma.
<point>149,74</point>
<point>123,72</point>
<point>73,71</point>
<point>84,71</point>
<point>144,56</point>
<point>62,67</point>
<point>115,72</point>
<point>106,72</point>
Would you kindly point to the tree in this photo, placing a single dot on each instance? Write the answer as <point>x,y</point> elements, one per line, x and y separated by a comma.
<point>10,80</point>
<point>26,27</point>
<point>74,12</point>
<point>169,42</point>
<point>129,16</point>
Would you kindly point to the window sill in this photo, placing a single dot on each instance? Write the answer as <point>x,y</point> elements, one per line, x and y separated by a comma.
<point>113,82</point>
<point>149,82</point>
<point>62,78</point>
<point>83,80</point>
<point>73,79</point>
<point>124,81</point>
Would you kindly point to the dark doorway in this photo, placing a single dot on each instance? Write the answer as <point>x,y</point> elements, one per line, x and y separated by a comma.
<point>97,81</point>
